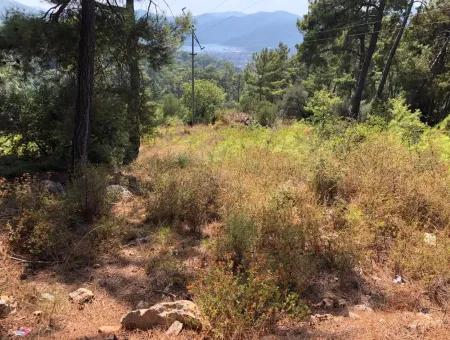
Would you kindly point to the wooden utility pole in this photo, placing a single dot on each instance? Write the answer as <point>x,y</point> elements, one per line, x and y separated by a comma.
<point>239,88</point>
<point>193,73</point>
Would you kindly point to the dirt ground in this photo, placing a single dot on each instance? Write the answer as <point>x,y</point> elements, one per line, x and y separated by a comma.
<point>120,283</point>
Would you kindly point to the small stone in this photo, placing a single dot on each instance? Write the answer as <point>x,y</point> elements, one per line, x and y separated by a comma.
<point>362,308</point>
<point>353,316</point>
<point>429,239</point>
<point>412,327</point>
<point>175,329</point>
<point>399,280</point>
<point>109,329</point>
<point>81,296</point>
<point>48,297</point>
<point>97,265</point>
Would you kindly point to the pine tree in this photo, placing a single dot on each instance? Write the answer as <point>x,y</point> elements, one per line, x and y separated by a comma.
<point>267,75</point>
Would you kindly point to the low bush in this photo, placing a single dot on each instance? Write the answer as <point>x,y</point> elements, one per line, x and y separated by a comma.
<point>294,101</point>
<point>165,271</point>
<point>236,306</point>
<point>209,97</point>
<point>404,121</point>
<point>49,226</point>
<point>86,194</point>
<point>172,106</point>
<point>184,195</point>
<point>266,113</point>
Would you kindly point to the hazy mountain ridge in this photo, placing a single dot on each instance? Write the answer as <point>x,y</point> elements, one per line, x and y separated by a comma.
<point>11,5</point>
<point>249,32</point>
<point>233,36</point>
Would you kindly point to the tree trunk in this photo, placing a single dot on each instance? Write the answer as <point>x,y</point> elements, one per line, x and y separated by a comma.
<point>393,50</point>
<point>85,85</point>
<point>133,110</point>
<point>357,95</point>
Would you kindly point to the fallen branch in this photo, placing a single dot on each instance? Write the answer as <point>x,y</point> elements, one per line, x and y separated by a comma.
<point>29,261</point>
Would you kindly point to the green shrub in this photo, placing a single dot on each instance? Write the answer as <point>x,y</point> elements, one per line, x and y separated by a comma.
<point>266,113</point>
<point>209,97</point>
<point>48,226</point>
<point>289,243</point>
<point>405,122</point>
<point>294,101</point>
<point>40,227</point>
<point>172,106</point>
<point>185,195</point>
<point>166,270</point>
<point>324,108</point>
<point>237,306</point>
<point>239,240</point>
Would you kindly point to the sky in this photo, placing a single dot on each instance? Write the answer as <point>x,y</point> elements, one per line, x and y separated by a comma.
<point>197,7</point>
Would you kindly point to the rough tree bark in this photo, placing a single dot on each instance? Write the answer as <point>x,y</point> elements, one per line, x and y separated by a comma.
<point>133,111</point>
<point>393,50</point>
<point>85,85</point>
<point>358,93</point>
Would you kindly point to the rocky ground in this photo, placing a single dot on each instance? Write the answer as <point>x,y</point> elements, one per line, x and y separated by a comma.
<point>94,301</point>
<point>41,302</point>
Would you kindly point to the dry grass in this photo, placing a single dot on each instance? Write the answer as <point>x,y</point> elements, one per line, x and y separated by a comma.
<point>288,209</point>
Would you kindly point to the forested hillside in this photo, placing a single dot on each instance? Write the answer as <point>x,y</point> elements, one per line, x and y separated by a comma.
<point>149,193</point>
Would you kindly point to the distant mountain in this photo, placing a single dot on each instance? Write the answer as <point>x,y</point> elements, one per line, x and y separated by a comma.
<point>235,36</point>
<point>248,32</point>
<point>11,5</point>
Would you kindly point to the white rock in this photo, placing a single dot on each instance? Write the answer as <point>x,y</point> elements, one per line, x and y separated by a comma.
<point>175,329</point>
<point>81,296</point>
<point>48,297</point>
<point>109,329</point>
<point>353,316</point>
<point>118,192</point>
<point>361,308</point>
<point>321,317</point>
<point>430,239</point>
<point>163,314</point>
<point>399,280</point>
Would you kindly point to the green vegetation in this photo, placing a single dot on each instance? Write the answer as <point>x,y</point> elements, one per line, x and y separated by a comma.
<point>332,162</point>
<point>208,99</point>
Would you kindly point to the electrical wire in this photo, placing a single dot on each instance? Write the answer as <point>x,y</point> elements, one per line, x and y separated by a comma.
<point>364,33</point>
<point>377,21</point>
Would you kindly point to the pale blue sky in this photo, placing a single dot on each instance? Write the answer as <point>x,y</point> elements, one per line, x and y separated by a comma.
<point>205,6</point>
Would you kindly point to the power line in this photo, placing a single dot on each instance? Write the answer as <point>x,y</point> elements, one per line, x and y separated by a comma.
<point>219,5</point>
<point>364,33</point>
<point>194,39</point>
<point>170,9</point>
<point>377,21</point>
